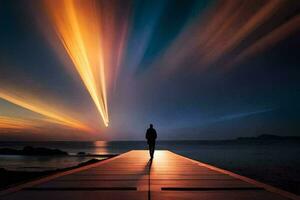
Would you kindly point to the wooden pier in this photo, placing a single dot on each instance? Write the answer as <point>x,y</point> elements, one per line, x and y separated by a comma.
<point>132,176</point>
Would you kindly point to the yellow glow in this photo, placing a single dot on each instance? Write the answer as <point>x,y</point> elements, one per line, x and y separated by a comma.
<point>78,27</point>
<point>16,124</point>
<point>36,106</point>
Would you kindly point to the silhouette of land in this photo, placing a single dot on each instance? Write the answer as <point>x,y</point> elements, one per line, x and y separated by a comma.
<point>32,151</point>
<point>270,137</point>
<point>42,151</point>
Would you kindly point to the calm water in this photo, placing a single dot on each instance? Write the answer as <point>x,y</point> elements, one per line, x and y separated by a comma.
<point>276,163</point>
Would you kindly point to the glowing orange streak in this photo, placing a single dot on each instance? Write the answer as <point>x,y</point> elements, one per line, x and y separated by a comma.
<point>215,37</point>
<point>119,57</point>
<point>185,45</point>
<point>77,26</point>
<point>261,16</point>
<point>220,33</point>
<point>115,29</point>
<point>43,110</point>
<point>17,124</point>
<point>272,38</point>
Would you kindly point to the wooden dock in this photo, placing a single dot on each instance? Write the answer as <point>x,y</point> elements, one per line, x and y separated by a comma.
<point>131,176</point>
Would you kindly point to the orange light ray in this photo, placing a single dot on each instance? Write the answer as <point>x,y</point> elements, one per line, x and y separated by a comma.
<point>231,42</point>
<point>78,26</point>
<point>15,124</point>
<point>36,106</point>
<point>267,41</point>
<point>222,29</point>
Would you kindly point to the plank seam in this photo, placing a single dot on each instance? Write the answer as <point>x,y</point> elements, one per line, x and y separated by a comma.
<point>80,188</point>
<point>209,189</point>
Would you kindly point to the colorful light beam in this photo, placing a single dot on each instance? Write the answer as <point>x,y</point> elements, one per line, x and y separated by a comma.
<point>78,26</point>
<point>34,105</point>
<point>225,30</point>
<point>16,124</point>
<point>267,41</point>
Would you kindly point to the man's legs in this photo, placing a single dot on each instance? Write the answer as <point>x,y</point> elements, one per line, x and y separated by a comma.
<point>152,149</point>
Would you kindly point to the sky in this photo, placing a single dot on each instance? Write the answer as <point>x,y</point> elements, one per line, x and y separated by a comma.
<point>105,70</point>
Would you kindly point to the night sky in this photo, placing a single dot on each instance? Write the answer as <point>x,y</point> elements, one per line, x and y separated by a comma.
<point>195,69</point>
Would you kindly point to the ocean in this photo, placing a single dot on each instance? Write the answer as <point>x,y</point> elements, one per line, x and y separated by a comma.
<point>274,162</point>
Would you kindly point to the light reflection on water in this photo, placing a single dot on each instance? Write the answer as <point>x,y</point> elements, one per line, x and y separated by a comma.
<point>101,147</point>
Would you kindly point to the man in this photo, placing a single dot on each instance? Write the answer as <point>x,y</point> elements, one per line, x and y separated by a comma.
<point>151,137</point>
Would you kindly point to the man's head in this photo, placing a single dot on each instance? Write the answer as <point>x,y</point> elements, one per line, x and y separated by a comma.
<point>151,125</point>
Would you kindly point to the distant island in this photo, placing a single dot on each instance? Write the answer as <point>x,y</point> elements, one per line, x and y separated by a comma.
<point>32,151</point>
<point>269,137</point>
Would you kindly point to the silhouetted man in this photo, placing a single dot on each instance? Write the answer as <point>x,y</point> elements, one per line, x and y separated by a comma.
<point>151,137</point>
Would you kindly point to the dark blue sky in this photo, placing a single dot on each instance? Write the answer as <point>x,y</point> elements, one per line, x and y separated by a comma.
<point>179,71</point>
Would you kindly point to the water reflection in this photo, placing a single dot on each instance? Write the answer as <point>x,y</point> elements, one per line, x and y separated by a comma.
<point>101,147</point>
